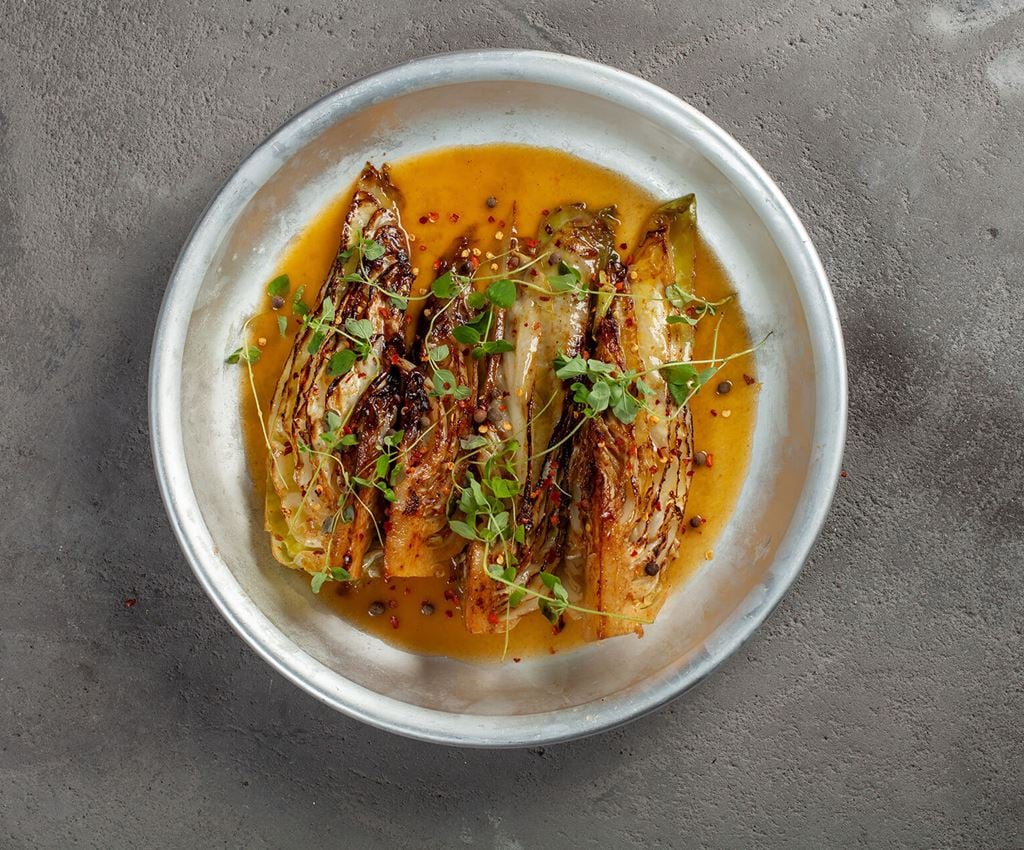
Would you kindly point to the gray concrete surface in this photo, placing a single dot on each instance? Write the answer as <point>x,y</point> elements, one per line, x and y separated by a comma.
<point>880,705</point>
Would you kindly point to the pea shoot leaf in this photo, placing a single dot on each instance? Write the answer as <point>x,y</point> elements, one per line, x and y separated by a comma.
<point>372,250</point>
<point>501,293</point>
<point>278,286</point>
<point>341,362</point>
<point>445,286</point>
<point>462,529</point>
<point>466,334</point>
<point>247,354</point>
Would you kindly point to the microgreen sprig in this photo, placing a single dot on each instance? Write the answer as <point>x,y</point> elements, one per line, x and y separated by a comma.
<point>552,605</point>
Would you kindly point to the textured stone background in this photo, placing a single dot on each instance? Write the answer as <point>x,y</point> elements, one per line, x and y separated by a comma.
<point>880,706</point>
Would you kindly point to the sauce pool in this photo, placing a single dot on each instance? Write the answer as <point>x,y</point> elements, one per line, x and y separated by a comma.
<point>454,185</point>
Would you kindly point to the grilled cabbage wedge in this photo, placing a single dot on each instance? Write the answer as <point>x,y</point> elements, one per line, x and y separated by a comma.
<point>419,541</point>
<point>630,482</point>
<point>529,412</point>
<point>318,517</point>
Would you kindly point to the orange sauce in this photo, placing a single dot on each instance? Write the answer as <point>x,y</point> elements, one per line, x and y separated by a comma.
<point>454,183</point>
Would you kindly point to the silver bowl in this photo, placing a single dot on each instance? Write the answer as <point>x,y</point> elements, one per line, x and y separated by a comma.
<point>603,115</point>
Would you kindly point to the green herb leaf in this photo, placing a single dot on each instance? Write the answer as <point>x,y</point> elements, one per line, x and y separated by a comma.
<point>462,529</point>
<point>318,581</point>
<point>502,293</point>
<point>444,286</point>
<point>340,574</point>
<point>327,311</point>
<point>475,300</point>
<point>248,354</point>
<point>443,381</point>
<point>278,286</point>
<point>438,353</point>
<point>567,279</point>
<point>393,440</point>
<point>341,362</point>
<point>360,328</point>
<point>503,488</point>
<point>623,406</point>
<point>372,250</point>
<point>299,307</point>
<point>474,441</point>
<point>466,334</point>
<point>569,367</point>
<point>316,341</point>
<point>282,325</point>
<point>599,396</point>
<point>497,346</point>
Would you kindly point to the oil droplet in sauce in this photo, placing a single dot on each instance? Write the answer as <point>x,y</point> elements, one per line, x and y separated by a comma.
<point>454,184</point>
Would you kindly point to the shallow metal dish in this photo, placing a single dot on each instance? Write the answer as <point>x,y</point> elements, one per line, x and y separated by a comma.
<point>600,114</point>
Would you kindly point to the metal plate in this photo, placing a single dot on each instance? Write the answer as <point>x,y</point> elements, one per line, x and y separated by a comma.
<point>599,114</point>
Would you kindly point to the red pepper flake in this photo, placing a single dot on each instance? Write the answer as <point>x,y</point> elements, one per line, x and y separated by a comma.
<point>451,596</point>
<point>545,212</point>
<point>748,380</point>
<point>530,244</point>
<point>454,218</point>
<point>130,603</point>
<point>424,219</point>
<point>392,586</point>
<point>629,260</point>
<point>407,591</point>
<point>392,604</point>
<point>433,216</point>
<point>423,247</point>
<point>449,614</point>
<point>711,460</point>
<point>622,246</point>
<point>490,219</point>
<point>492,618</point>
<point>713,412</point>
<point>517,660</point>
<point>843,474</point>
<point>554,519</point>
<point>437,264</point>
<point>394,621</point>
<point>387,526</point>
<point>501,223</point>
